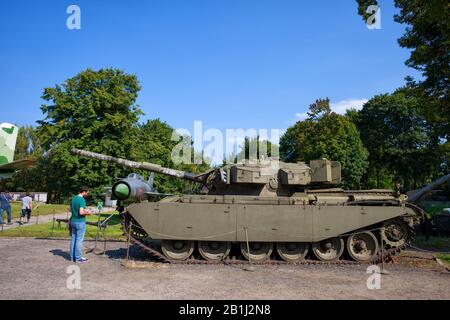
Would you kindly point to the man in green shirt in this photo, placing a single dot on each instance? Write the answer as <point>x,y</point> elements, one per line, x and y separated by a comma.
<point>78,225</point>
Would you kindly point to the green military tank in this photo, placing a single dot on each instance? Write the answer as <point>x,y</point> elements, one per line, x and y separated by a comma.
<point>267,210</point>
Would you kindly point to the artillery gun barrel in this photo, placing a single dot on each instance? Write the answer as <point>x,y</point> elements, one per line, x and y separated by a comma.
<point>138,165</point>
<point>415,198</point>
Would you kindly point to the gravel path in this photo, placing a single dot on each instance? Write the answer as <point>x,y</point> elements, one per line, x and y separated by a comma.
<point>36,269</point>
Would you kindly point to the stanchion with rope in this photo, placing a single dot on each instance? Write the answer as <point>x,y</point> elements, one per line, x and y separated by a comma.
<point>105,240</point>
<point>53,225</point>
<point>98,233</point>
<point>250,267</point>
<point>37,217</point>
<point>383,269</point>
<point>129,240</point>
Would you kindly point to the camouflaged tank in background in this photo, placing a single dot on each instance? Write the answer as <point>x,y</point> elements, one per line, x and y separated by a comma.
<point>265,207</point>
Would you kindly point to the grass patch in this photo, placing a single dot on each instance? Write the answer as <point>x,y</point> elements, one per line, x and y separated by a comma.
<point>434,207</point>
<point>434,211</point>
<point>41,209</point>
<point>435,243</point>
<point>444,257</point>
<point>113,231</point>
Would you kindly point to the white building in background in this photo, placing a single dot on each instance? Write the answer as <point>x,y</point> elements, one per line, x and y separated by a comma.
<point>36,196</point>
<point>108,199</point>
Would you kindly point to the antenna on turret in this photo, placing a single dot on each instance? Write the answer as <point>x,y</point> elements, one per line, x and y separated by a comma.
<point>289,156</point>
<point>151,179</point>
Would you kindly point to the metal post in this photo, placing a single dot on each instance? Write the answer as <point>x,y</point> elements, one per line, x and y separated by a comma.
<point>250,267</point>
<point>383,270</point>
<point>128,242</point>
<point>104,238</point>
<point>37,217</point>
<point>53,225</point>
<point>98,230</point>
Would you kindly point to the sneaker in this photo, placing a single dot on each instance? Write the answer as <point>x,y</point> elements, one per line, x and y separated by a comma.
<point>82,260</point>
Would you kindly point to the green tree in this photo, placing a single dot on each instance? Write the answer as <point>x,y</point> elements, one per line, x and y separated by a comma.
<point>60,173</point>
<point>427,36</point>
<point>23,144</point>
<point>154,144</point>
<point>255,149</point>
<point>398,139</point>
<point>319,108</point>
<point>97,111</point>
<point>326,134</point>
<point>28,144</point>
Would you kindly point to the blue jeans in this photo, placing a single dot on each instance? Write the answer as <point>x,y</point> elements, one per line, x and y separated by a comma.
<point>8,211</point>
<point>78,231</point>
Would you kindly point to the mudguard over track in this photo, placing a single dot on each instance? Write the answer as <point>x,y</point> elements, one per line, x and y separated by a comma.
<point>264,222</point>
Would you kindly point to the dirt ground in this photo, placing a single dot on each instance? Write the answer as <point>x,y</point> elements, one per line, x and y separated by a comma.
<point>37,269</point>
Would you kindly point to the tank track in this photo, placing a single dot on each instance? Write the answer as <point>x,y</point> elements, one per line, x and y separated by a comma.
<point>137,237</point>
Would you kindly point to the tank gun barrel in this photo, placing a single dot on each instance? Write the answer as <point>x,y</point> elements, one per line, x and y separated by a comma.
<point>146,166</point>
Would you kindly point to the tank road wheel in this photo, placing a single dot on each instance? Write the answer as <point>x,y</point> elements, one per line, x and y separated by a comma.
<point>292,251</point>
<point>395,233</point>
<point>328,250</point>
<point>177,249</point>
<point>259,251</point>
<point>214,250</point>
<point>362,247</point>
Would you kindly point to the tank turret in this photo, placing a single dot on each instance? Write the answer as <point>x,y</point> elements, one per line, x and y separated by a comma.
<point>269,177</point>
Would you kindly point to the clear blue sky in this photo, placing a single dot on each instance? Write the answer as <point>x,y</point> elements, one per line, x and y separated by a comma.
<point>231,63</point>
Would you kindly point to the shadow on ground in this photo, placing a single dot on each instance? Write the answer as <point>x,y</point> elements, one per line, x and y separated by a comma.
<point>61,253</point>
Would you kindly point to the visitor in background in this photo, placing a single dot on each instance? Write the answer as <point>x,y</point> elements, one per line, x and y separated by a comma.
<point>27,207</point>
<point>5,203</point>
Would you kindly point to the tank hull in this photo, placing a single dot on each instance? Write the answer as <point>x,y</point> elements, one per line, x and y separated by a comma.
<point>233,219</point>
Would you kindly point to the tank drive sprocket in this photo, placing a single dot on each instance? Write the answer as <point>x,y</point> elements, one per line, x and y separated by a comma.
<point>395,233</point>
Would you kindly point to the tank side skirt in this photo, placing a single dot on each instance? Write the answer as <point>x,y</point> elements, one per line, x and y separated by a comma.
<point>275,223</point>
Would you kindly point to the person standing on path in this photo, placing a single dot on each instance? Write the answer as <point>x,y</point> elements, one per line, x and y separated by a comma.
<point>5,199</point>
<point>78,225</point>
<point>27,207</point>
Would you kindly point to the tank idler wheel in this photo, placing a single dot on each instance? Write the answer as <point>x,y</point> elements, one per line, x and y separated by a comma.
<point>328,250</point>
<point>177,249</point>
<point>362,247</point>
<point>259,251</point>
<point>292,251</point>
<point>214,250</point>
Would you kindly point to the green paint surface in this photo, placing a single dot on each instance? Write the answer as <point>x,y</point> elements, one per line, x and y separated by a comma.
<point>3,160</point>
<point>8,137</point>
<point>9,131</point>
